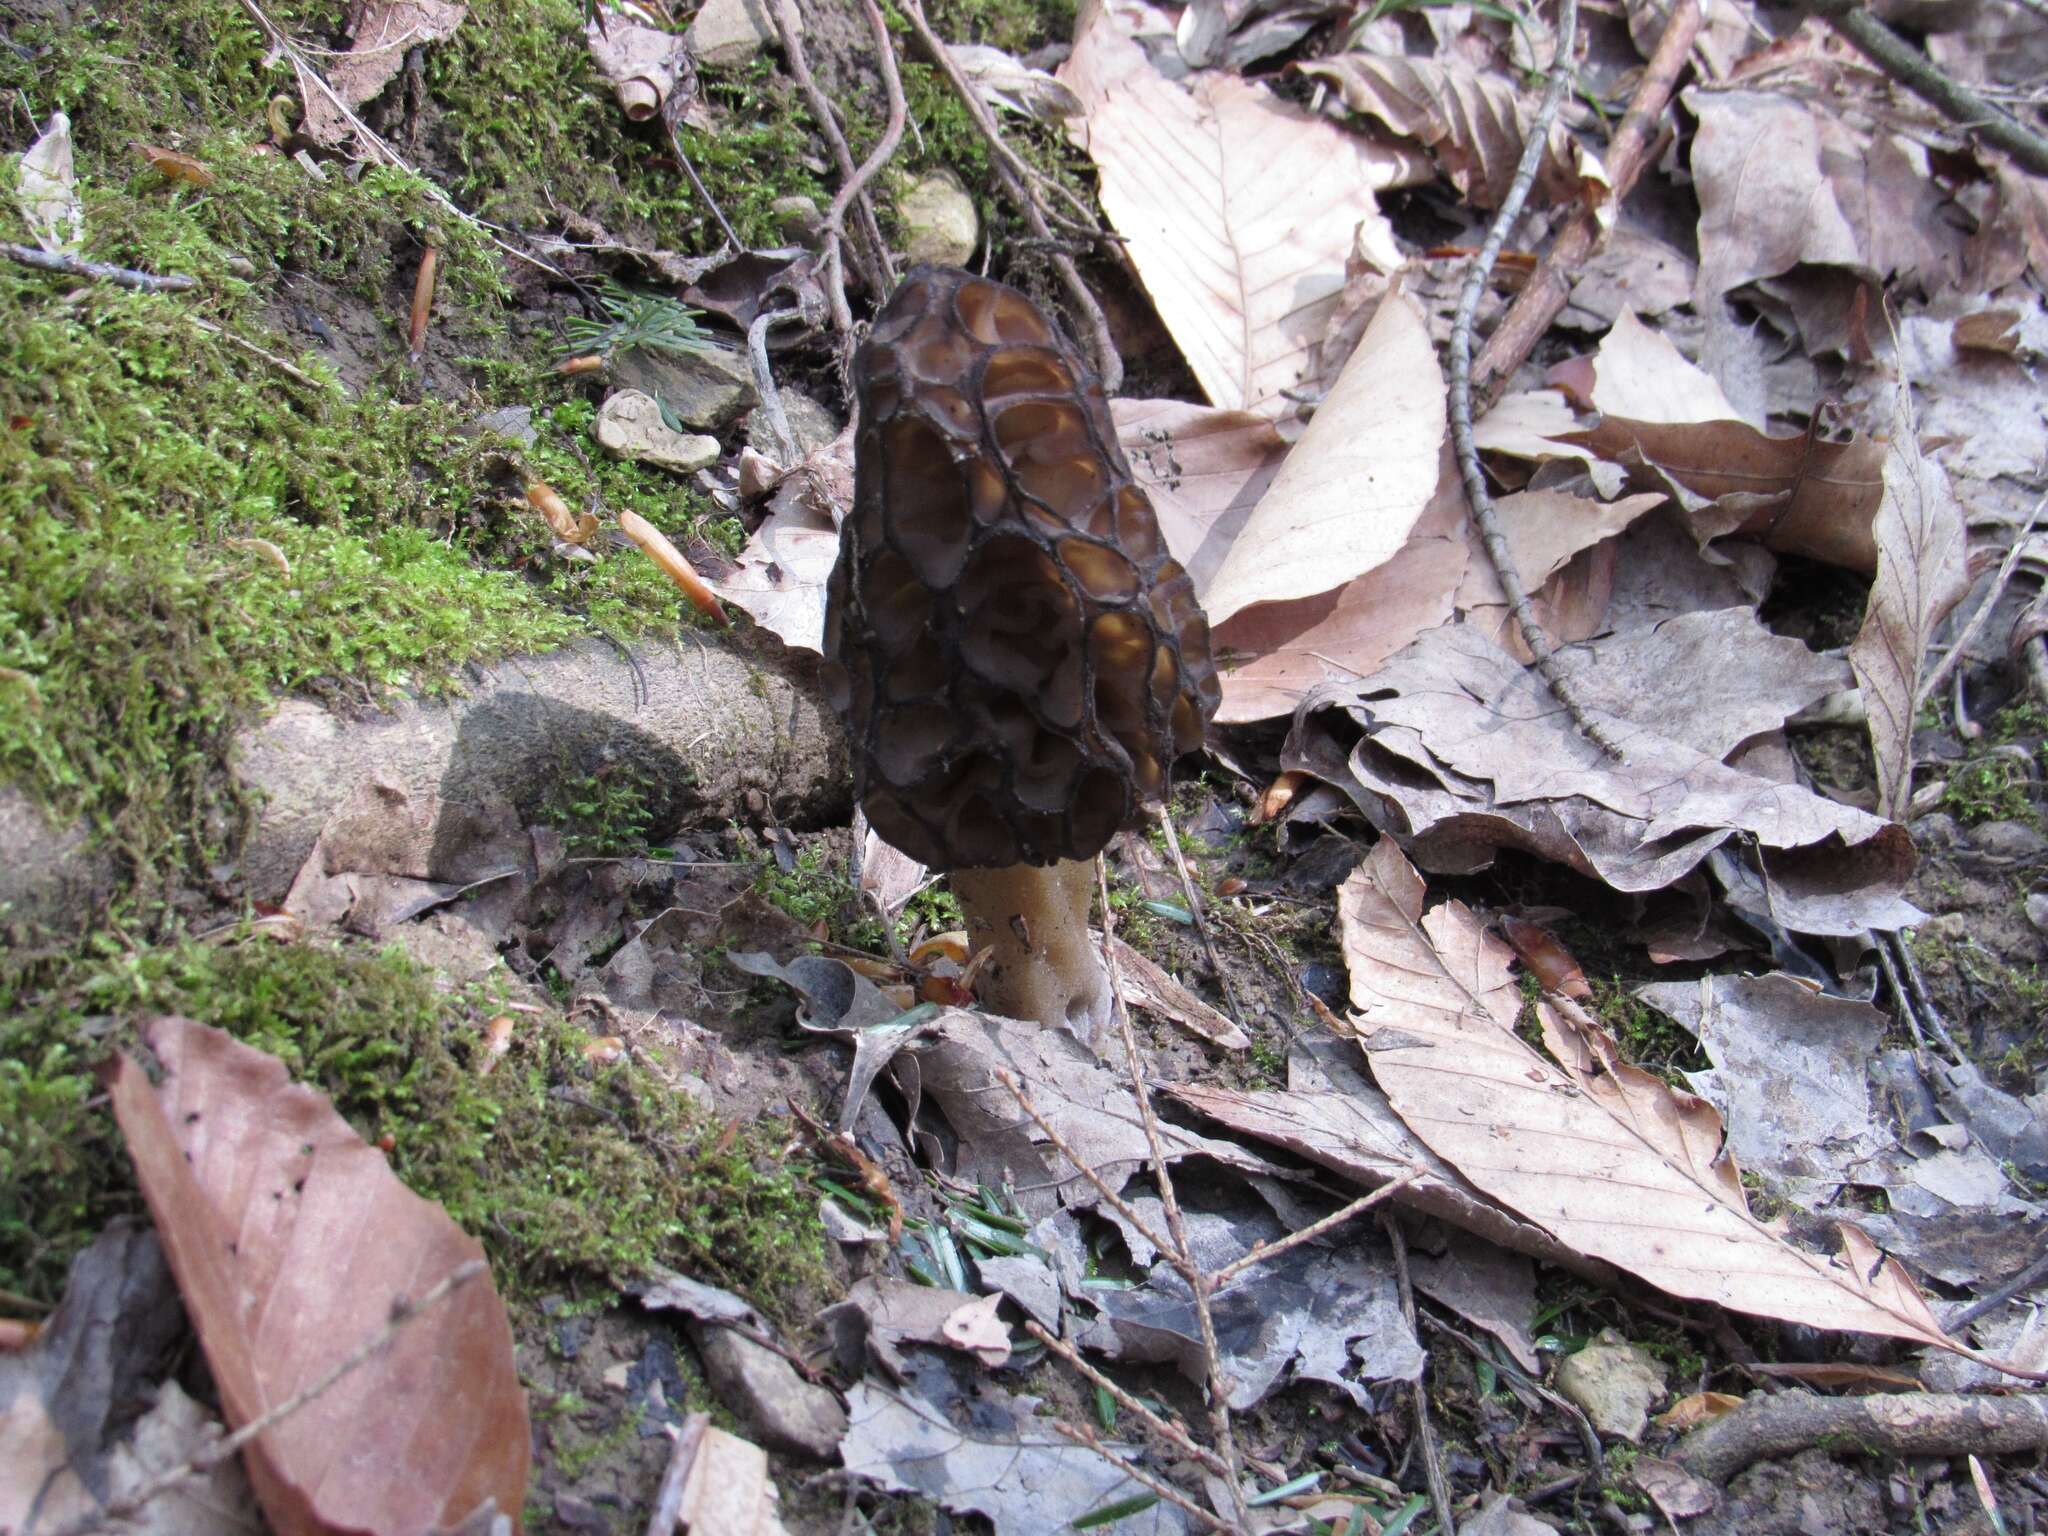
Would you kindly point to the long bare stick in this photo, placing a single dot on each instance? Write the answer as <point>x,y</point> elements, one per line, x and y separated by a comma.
<point>1015,178</point>
<point>1543,297</point>
<point>1918,74</point>
<point>99,271</point>
<point>874,254</point>
<point>1261,1252</point>
<point>1425,1431</point>
<point>1165,1429</point>
<point>2006,567</point>
<point>1082,1435</point>
<point>1182,1254</point>
<point>1484,518</point>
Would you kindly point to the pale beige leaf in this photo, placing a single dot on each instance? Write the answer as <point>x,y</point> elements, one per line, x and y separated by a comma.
<point>1639,374</point>
<point>1608,1158</point>
<point>1272,655</point>
<point>46,188</point>
<point>1006,83</point>
<point>1204,468</point>
<point>1545,531</point>
<point>780,576</point>
<point>1237,208</point>
<point>1347,497</point>
<point>1469,117</point>
<point>1784,181</point>
<point>1921,574</point>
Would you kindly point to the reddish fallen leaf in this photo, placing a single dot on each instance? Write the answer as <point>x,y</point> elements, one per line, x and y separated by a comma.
<point>291,1240</point>
<point>589,362</point>
<point>173,166</point>
<point>1280,794</point>
<point>422,302</point>
<point>567,526</point>
<point>1843,1374</point>
<point>1547,959</point>
<point>1697,1409</point>
<point>497,1041</point>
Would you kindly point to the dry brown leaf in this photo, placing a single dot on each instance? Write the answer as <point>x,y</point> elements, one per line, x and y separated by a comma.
<point>1696,1409</point>
<point>384,31</point>
<point>1639,374</point>
<point>1469,117</point>
<point>291,1239</point>
<point>644,65</point>
<point>1274,655</point>
<point>1143,984</point>
<point>781,574</point>
<point>1783,181</point>
<point>1559,543</point>
<point>726,1488</point>
<point>1922,573</point>
<point>1007,83</point>
<point>1204,468</point>
<point>1348,496</point>
<point>1243,264</point>
<point>1608,1158</point>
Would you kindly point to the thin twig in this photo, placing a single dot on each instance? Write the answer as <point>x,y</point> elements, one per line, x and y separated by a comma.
<point>1182,1254</point>
<point>402,1312</point>
<point>98,271</point>
<point>1484,518</point>
<point>1898,985</point>
<point>1015,178</point>
<point>1262,1251</point>
<point>289,370</point>
<point>1082,1435</point>
<point>1916,984</point>
<point>1194,899</point>
<point>872,251</point>
<point>1920,75</point>
<point>675,145</point>
<point>1425,1432</point>
<point>1991,1301</point>
<point>1543,297</point>
<point>2006,567</point>
<point>892,135</point>
<point>1101,1185</point>
<point>1165,1429</point>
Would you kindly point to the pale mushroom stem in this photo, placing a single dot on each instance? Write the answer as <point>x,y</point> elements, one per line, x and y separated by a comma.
<point>1045,966</point>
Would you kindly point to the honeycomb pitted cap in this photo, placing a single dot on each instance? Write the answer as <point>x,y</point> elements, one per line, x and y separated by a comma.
<point>1017,658</point>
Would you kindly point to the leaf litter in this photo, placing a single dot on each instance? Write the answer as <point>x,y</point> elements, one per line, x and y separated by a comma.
<point>1367,646</point>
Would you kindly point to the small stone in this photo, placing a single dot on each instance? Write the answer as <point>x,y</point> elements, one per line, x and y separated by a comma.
<point>2037,911</point>
<point>1936,831</point>
<point>787,1412</point>
<point>2013,840</point>
<point>811,423</point>
<point>939,219</point>
<point>728,32</point>
<point>630,425</point>
<point>707,390</point>
<point>798,218</point>
<point>1616,1383</point>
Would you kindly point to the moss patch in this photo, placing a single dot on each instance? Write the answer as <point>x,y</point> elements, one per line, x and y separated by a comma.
<point>562,1168</point>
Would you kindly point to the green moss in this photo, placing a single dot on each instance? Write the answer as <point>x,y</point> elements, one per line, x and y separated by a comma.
<point>560,1167</point>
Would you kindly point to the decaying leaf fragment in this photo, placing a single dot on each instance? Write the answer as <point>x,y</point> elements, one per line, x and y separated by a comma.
<point>1608,1158</point>
<point>291,1239</point>
<point>384,31</point>
<point>1921,574</point>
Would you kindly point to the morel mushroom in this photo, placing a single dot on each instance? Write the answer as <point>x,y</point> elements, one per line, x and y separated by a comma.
<point>1017,658</point>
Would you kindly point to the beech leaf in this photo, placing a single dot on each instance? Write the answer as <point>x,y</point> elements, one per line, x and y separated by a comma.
<point>291,1239</point>
<point>1607,1157</point>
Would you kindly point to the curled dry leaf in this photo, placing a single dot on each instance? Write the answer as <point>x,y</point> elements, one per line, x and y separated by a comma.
<point>1608,1158</point>
<point>46,188</point>
<point>1243,265</point>
<point>1922,573</point>
<point>291,1240</point>
<point>173,166</point>
<point>781,574</point>
<point>1471,119</point>
<point>384,31</point>
<point>1010,86</point>
<point>643,64</point>
<point>565,525</point>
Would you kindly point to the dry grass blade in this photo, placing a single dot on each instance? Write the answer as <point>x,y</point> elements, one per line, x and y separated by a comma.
<point>1611,1160</point>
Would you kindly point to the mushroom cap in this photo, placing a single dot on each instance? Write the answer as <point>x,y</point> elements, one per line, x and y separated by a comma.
<point>1017,658</point>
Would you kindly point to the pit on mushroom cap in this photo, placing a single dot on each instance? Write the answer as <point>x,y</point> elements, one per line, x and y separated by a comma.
<point>1015,655</point>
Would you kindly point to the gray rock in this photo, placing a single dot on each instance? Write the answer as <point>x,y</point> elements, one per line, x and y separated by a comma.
<point>2037,911</point>
<point>787,1412</point>
<point>629,424</point>
<point>727,32</point>
<point>799,218</point>
<point>1615,1383</point>
<point>1936,831</point>
<point>2013,840</point>
<point>813,425</point>
<point>940,224</point>
<point>706,390</point>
